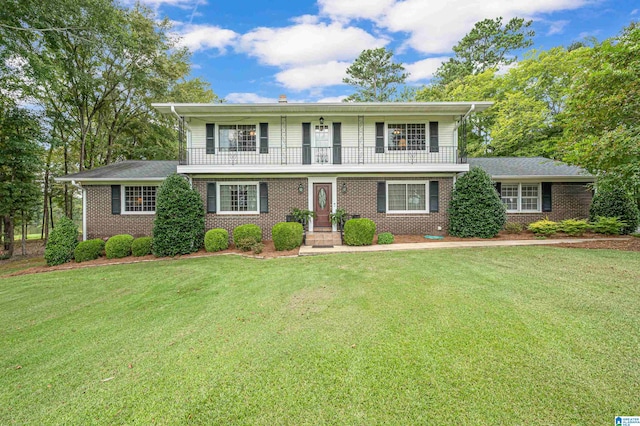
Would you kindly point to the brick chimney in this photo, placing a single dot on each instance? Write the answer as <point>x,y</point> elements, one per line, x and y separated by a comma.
<point>282,99</point>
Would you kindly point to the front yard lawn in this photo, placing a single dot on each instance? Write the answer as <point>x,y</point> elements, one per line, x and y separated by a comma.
<point>526,335</point>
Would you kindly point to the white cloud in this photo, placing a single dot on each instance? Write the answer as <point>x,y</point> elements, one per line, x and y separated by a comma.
<point>248,98</point>
<point>332,99</point>
<point>435,28</point>
<point>305,19</point>
<point>634,12</point>
<point>557,27</point>
<point>201,37</point>
<point>343,11</point>
<point>306,43</point>
<point>313,76</point>
<point>424,69</point>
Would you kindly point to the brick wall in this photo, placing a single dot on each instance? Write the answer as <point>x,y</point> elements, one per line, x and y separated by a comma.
<point>361,198</point>
<point>569,200</point>
<point>283,195</point>
<point>102,224</point>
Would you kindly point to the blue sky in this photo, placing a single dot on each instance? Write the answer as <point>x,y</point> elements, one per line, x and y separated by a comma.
<point>253,51</point>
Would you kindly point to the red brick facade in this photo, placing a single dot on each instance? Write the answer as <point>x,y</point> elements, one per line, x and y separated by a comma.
<point>102,224</point>
<point>569,200</point>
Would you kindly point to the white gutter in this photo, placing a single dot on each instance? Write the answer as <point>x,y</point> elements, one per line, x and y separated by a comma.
<point>84,209</point>
<point>173,111</point>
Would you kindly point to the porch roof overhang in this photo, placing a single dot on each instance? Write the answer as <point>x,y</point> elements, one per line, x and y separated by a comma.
<point>340,108</point>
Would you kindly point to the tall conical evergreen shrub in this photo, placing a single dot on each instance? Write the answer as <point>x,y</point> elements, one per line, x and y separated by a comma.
<point>179,224</point>
<point>476,209</point>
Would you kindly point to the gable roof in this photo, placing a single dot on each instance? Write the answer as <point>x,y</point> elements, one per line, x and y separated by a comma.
<point>130,170</point>
<point>529,167</point>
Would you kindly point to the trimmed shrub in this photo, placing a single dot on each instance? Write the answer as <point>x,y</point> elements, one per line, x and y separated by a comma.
<point>608,225</point>
<point>544,227</point>
<point>141,246</point>
<point>385,238</point>
<point>62,241</point>
<point>513,227</point>
<point>118,246</point>
<point>257,248</point>
<point>615,202</point>
<point>216,239</point>
<point>475,209</point>
<point>179,224</point>
<point>245,236</point>
<point>287,235</point>
<point>88,250</point>
<point>574,227</point>
<point>359,232</point>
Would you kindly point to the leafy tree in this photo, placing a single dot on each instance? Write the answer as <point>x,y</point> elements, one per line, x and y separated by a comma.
<point>603,111</point>
<point>490,44</point>
<point>476,209</point>
<point>19,167</point>
<point>179,224</point>
<point>375,76</point>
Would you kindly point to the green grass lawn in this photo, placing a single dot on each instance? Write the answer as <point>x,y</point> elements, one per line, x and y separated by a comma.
<point>527,335</point>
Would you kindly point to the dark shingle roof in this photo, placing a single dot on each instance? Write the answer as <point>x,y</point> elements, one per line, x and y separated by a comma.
<point>126,170</point>
<point>513,167</point>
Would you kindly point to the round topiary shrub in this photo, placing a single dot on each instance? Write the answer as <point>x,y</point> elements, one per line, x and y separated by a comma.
<point>118,246</point>
<point>615,202</point>
<point>245,236</point>
<point>141,246</point>
<point>476,209</point>
<point>62,241</point>
<point>216,240</point>
<point>385,238</point>
<point>359,232</point>
<point>179,224</point>
<point>287,235</point>
<point>88,250</point>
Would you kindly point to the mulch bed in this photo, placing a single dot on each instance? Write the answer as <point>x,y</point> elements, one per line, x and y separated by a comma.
<point>35,249</point>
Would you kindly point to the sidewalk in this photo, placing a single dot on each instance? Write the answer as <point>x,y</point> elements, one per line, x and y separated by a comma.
<point>310,251</point>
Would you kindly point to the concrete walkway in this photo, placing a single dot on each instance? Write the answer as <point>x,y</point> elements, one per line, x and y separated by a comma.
<point>310,251</point>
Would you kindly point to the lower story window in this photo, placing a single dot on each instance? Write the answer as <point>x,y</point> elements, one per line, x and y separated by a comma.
<point>140,199</point>
<point>238,198</point>
<point>407,197</point>
<point>521,197</point>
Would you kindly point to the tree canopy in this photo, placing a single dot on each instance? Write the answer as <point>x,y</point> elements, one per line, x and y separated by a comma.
<point>375,76</point>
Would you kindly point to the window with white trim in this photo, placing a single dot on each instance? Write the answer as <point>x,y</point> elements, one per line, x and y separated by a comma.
<point>407,196</point>
<point>140,199</point>
<point>521,197</point>
<point>406,137</point>
<point>238,197</point>
<point>240,137</point>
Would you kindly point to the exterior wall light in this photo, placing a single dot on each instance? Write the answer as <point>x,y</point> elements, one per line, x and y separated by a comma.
<point>344,187</point>
<point>301,188</point>
<point>321,120</point>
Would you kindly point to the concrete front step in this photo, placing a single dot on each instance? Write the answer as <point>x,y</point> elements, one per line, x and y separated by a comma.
<point>323,239</point>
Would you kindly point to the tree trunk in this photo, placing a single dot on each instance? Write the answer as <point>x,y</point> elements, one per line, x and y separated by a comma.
<point>24,235</point>
<point>8,236</point>
<point>44,235</point>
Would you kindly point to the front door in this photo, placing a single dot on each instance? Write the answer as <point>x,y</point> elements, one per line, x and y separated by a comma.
<point>322,204</point>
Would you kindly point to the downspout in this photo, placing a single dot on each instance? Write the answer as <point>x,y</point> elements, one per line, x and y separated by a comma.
<point>84,209</point>
<point>459,123</point>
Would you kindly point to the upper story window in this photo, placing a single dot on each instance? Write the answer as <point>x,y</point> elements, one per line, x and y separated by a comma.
<point>239,137</point>
<point>521,197</point>
<point>406,137</point>
<point>140,199</point>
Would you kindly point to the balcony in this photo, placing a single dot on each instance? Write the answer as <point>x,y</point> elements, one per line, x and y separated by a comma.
<point>330,156</point>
